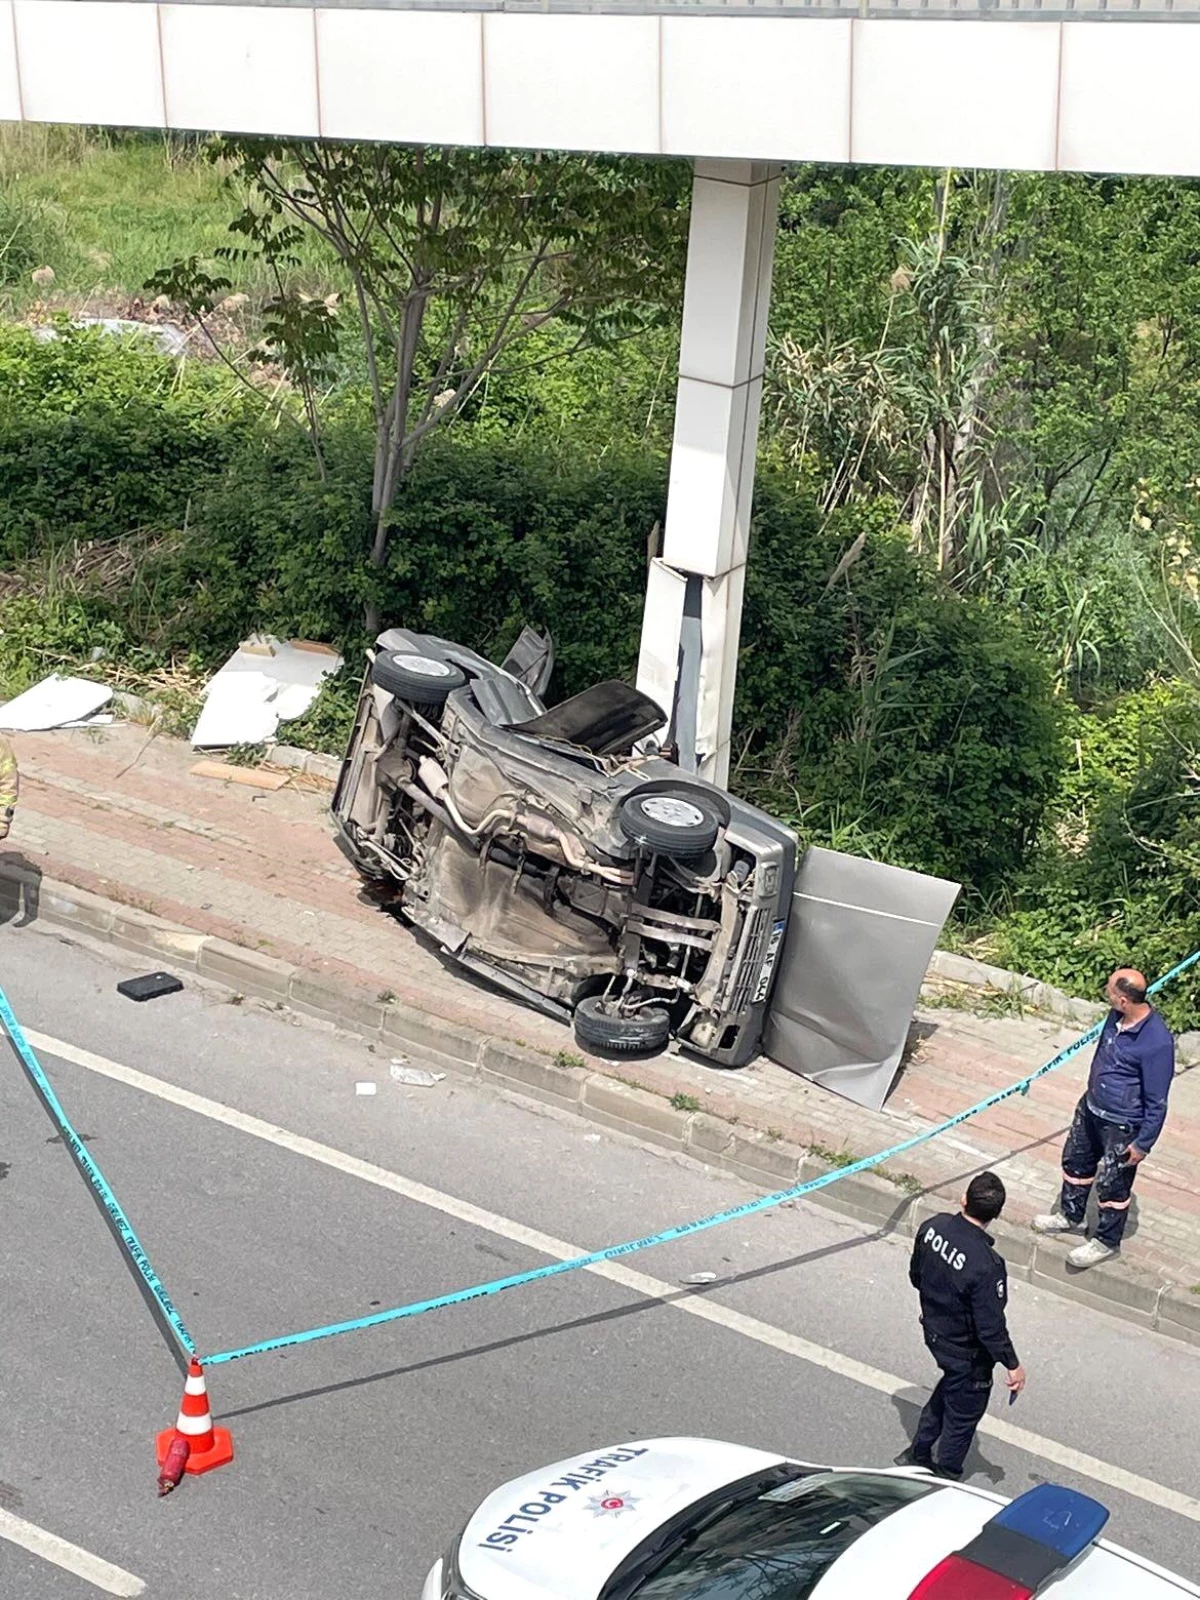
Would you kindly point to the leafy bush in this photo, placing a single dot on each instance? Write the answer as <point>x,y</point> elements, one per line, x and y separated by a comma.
<point>488,537</point>
<point>1117,879</point>
<point>39,632</point>
<point>272,546</point>
<point>327,724</point>
<point>886,708</point>
<point>100,437</point>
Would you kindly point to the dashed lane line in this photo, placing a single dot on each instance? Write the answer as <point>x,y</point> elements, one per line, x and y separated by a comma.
<point>92,1569</point>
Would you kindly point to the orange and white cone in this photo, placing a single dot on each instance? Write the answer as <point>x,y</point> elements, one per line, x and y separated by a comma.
<point>208,1447</point>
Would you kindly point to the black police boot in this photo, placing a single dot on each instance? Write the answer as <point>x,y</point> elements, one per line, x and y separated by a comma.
<point>912,1458</point>
<point>940,1471</point>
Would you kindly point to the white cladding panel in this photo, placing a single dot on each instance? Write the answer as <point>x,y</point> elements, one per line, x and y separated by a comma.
<point>1086,96</point>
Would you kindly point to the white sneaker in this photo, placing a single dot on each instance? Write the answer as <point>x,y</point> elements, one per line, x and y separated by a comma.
<point>1054,1222</point>
<point>1090,1254</point>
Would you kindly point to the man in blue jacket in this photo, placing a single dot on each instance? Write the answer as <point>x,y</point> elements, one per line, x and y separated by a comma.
<point>1117,1121</point>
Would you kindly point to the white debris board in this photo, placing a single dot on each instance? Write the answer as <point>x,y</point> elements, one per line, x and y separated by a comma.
<point>265,682</point>
<point>54,703</point>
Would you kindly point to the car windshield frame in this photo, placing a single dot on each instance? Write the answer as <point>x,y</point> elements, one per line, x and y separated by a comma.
<point>793,1527</point>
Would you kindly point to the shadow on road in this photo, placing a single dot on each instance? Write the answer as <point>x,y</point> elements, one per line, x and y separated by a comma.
<point>907,1405</point>
<point>529,1336</point>
<point>977,1465</point>
<point>20,889</point>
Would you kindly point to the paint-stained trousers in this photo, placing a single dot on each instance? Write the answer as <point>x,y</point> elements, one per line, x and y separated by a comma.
<point>1092,1156</point>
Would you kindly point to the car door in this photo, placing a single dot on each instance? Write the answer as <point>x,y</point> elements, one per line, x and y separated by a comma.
<point>531,660</point>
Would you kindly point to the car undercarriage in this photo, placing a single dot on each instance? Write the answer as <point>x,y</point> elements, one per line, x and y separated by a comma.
<point>539,849</point>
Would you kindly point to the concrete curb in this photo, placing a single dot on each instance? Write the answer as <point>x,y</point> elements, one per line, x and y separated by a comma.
<point>965,972</point>
<point>568,1082</point>
<point>312,762</point>
<point>136,708</point>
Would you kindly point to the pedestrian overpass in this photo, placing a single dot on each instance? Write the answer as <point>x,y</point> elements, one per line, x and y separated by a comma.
<point>738,89</point>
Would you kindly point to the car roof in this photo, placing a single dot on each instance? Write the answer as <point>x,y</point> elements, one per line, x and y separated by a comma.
<point>573,1546</point>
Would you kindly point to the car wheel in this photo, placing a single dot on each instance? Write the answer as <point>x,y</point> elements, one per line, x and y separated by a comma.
<point>420,680</point>
<point>602,1027</point>
<point>680,822</point>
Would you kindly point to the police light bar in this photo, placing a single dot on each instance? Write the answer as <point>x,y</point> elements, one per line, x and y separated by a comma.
<point>1020,1549</point>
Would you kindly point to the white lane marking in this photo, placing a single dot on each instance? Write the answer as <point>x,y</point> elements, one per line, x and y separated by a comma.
<point>763,1333</point>
<point>102,1574</point>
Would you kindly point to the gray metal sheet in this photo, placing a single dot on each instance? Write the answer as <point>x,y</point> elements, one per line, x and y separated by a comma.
<point>858,945</point>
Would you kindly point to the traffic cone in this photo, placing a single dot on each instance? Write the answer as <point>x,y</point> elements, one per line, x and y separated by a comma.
<point>209,1447</point>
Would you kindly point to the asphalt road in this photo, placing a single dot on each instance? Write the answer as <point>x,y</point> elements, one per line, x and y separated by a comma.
<point>359,1457</point>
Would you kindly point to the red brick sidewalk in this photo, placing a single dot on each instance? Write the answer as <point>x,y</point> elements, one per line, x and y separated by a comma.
<point>109,812</point>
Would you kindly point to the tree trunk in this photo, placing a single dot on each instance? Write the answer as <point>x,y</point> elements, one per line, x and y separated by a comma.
<point>395,448</point>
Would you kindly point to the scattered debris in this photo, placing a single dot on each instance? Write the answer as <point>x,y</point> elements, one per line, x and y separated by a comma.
<point>367,1087</point>
<point>265,682</point>
<point>417,1077</point>
<point>55,702</point>
<point>170,338</point>
<point>700,1277</point>
<point>237,710</point>
<point>150,986</point>
<point>253,777</point>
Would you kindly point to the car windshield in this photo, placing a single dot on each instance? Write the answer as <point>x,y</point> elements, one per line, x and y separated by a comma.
<point>777,1545</point>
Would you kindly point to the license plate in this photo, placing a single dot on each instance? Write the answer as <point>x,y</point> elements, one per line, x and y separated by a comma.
<point>773,943</point>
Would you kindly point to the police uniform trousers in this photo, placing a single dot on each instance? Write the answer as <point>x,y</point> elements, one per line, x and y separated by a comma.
<point>954,1409</point>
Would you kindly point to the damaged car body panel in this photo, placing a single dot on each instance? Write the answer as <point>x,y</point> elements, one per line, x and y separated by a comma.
<point>608,887</point>
<point>858,946</point>
<point>537,849</point>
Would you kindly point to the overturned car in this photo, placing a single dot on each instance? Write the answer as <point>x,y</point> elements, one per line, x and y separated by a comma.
<point>540,850</point>
<point>536,848</point>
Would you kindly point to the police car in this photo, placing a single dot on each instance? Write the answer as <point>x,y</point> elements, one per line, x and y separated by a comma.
<point>693,1519</point>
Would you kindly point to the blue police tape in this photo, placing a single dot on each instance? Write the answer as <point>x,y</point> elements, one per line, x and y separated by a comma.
<point>595,1257</point>
<point>116,1216</point>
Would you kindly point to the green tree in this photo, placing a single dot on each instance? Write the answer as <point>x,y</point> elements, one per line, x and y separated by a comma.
<point>453,260</point>
<point>903,403</point>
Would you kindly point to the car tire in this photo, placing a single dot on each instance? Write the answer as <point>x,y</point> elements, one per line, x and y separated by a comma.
<point>681,822</point>
<point>419,680</point>
<point>601,1028</point>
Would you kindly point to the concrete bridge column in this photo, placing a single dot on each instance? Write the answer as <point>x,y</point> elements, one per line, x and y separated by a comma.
<point>693,613</point>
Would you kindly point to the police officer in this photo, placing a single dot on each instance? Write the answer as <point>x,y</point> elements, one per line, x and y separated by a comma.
<point>963,1284</point>
<point>9,785</point>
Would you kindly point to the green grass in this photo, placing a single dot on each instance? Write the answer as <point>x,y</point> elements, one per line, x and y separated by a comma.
<point>108,211</point>
<point>903,1180</point>
<point>832,1158</point>
<point>987,1002</point>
